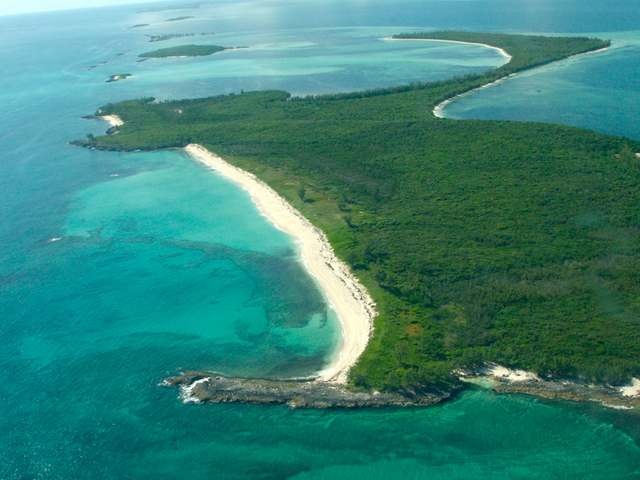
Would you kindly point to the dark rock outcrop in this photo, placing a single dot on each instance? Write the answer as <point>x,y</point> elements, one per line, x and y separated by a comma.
<point>571,391</point>
<point>200,387</point>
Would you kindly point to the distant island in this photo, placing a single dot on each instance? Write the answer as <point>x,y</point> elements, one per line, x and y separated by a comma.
<point>177,19</point>
<point>184,51</point>
<point>484,244</point>
<point>117,77</point>
<point>171,36</point>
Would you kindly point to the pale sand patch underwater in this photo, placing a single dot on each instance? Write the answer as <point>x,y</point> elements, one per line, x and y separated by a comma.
<point>351,302</point>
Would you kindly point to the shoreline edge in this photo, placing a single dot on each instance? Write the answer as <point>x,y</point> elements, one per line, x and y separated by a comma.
<point>349,299</point>
<point>438,110</point>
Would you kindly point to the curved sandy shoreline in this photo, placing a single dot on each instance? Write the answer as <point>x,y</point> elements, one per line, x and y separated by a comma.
<point>501,51</point>
<point>349,299</point>
<point>351,302</point>
<point>438,110</point>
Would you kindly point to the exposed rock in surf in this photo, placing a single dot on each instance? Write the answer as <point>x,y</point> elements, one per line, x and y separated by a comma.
<point>198,387</point>
<point>503,380</point>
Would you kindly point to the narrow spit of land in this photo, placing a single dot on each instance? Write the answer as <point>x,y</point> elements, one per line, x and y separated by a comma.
<point>480,241</point>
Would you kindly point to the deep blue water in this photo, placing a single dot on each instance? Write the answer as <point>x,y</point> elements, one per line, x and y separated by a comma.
<point>119,269</point>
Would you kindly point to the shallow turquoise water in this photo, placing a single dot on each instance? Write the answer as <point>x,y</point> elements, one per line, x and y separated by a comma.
<point>161,265</point>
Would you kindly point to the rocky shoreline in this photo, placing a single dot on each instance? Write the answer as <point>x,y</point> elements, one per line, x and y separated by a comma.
<point>606,396</point>
<point>202,387</point>
<point>199,387</point>
<point>530,384</point>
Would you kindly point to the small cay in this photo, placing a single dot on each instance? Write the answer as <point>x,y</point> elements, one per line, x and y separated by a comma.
<point>117,77</point>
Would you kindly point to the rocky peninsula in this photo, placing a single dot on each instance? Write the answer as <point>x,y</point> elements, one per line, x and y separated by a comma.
<point>200,387</point>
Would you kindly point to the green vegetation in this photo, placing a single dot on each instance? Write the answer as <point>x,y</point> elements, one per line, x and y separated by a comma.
<point>479,240</point>
<point>184,51</point>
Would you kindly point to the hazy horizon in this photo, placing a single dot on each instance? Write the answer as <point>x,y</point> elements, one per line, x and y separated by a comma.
<point>18,7</point>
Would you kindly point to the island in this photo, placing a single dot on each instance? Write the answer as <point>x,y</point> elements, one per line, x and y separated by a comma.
<point>184,51</point>
<point>490,250</point>
<point>165,8</point>
<point>177,19</point>
<point>118,76</point>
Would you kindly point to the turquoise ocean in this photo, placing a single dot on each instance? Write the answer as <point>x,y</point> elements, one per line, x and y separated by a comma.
<point>117,270</point>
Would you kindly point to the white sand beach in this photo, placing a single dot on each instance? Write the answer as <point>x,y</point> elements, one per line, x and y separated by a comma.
<point>492,372</point>
<point>349,299</point>
<point>112,120</point>
<point>631,390</point>
<point>509,374</point>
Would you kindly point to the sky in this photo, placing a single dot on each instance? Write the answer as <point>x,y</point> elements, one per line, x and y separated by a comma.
<point>11,7</point>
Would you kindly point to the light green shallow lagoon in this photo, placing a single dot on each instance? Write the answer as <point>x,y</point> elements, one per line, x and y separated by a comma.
<point>117,270</point>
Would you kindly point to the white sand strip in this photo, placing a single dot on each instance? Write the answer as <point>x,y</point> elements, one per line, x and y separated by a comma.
<point>112,120</point>
<point>348,298</point>
<point>501,51</point>
<point>631,390</point>
<point>509,374</point>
